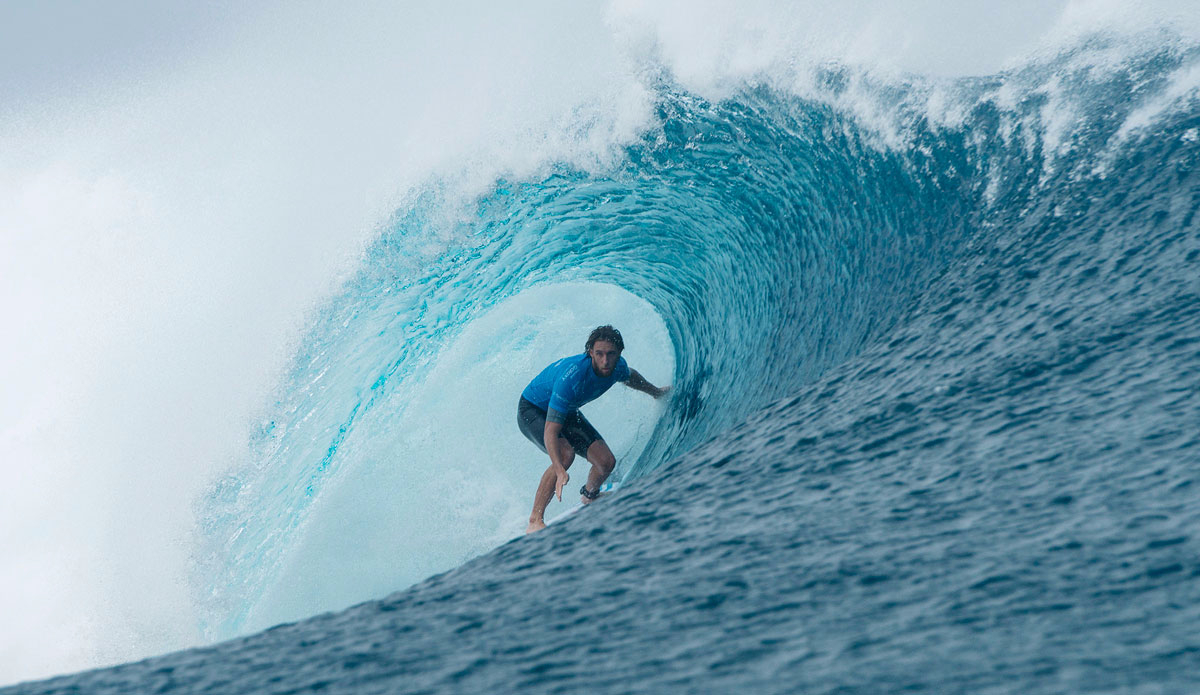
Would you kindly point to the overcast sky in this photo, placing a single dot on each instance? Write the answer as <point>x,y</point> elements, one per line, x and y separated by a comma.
<point>59,47</point>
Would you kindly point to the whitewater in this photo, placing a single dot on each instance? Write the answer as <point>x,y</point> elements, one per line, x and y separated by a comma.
<point>925,280</point>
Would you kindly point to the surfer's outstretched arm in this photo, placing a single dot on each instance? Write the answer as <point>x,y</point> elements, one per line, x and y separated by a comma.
<point>638,382</point>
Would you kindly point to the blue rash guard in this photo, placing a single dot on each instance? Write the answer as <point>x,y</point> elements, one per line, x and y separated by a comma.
<point>569,383</point>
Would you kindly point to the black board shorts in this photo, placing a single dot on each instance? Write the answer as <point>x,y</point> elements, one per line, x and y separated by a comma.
<point>578,432</point>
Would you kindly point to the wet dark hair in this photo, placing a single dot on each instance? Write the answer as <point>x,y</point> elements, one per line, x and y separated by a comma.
<point>606,333</point>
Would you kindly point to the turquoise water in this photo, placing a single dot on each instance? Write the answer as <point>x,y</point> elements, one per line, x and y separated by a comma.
<point>934,426</point>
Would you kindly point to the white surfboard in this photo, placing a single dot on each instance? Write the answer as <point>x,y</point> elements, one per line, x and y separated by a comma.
<point>605,489</point>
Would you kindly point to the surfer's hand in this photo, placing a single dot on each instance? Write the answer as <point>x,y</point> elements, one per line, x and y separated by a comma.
<point>662,392</point>
<point>561,482</point>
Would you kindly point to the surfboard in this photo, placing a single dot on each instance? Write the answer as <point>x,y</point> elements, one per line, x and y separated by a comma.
<point>606,489</point>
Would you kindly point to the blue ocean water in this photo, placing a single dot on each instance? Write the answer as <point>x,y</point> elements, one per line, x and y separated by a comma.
<point>935,423</point>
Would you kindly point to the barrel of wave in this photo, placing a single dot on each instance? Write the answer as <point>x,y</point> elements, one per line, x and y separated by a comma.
<point>439,472</point>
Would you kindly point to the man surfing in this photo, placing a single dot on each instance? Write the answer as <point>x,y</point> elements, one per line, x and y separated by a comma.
<point>548,415</point>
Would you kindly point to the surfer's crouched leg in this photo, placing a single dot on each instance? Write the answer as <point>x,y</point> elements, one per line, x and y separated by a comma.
<point>603,462</point>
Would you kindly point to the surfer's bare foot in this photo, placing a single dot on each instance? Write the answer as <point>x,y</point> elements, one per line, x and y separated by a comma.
<point>584,499</point>
<point>535,526</point>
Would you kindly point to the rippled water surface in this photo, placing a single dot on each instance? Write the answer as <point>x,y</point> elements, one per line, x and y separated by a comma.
<point>936,424</point>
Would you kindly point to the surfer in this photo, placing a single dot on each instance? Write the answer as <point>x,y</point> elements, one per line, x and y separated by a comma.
<point>548,415</point>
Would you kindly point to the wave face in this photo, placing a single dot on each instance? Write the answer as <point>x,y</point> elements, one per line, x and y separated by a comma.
<point>934,422</point>
<point>764,241</point>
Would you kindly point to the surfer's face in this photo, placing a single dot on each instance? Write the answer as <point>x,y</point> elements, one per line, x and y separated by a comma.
<point>604,357</point>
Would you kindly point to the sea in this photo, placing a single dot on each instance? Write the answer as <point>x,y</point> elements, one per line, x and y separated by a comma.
<point>934,427</point>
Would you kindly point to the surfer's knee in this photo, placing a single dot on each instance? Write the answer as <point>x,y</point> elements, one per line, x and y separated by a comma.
<point>604,460</point>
